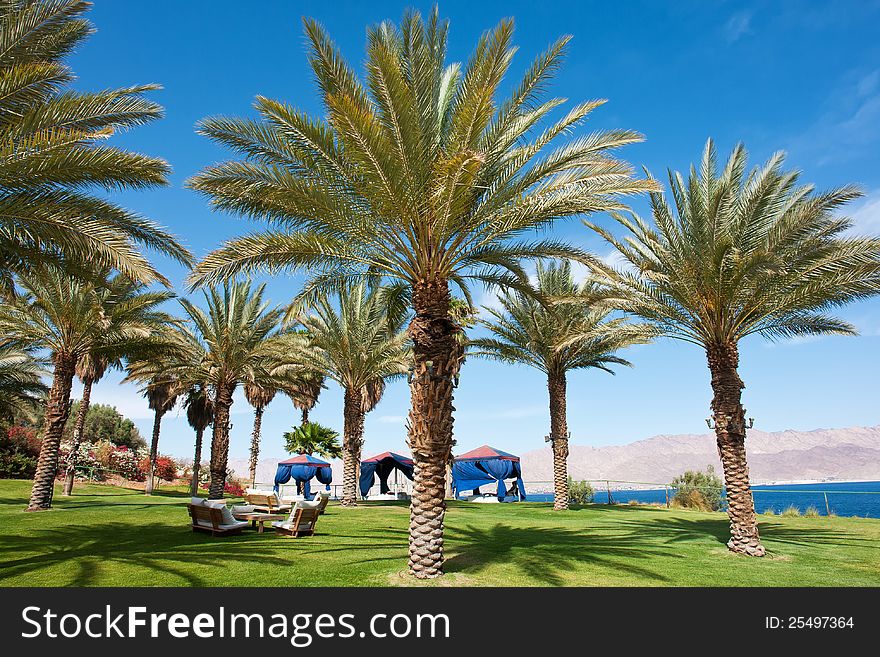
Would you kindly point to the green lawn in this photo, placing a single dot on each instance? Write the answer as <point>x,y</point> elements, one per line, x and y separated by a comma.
<point>107,536</point>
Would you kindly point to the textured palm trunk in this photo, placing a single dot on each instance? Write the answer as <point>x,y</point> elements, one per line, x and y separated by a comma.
<point>197,461</point>
<point>154,451</point>
<point>78,427</point>
<point>305,417</point>
<point>57,412</point>
<point>255,443</point>
<point>220,442</point>
<point>352,443</point>
<point>436,358</point>
<point>556,385</point>
<point>731,435</point>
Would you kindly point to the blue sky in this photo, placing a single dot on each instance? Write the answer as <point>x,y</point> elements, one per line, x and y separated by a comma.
<point>799,77</point>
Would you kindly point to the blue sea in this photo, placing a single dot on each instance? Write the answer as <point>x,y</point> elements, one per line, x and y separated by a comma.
<point>844,498</point>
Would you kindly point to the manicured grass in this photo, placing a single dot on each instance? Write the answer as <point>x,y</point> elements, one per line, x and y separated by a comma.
<point>106,536</point>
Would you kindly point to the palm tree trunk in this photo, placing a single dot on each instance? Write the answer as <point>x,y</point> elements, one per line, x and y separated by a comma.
<point>305,417</point>
<point>78,427</point>
<point>57,412</point>
<point>154,451</point>
<point>197,460</point>
<point>352,442</point>
<point>255,443</point>
<point>220,442</point>
<point>730,432</point>
<point>435,363</point>
<point>556,385</point>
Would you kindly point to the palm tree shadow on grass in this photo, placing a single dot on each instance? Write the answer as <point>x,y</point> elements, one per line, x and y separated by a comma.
<point>150,546</point>
<point>544,553</point>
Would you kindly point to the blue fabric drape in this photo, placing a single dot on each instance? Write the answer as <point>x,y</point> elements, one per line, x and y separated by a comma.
<point>470,475</point>
<point>302,474</point>
<point>382,468</point>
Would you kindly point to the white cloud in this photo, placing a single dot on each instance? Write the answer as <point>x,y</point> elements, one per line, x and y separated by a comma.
<point>391,419</point>
<point>866,215</point>
<point>738,26</point>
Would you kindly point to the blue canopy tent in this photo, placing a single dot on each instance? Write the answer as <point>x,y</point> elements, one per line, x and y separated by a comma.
<point>381,466</point>
<point>486,465</point>
<point>302,469</point>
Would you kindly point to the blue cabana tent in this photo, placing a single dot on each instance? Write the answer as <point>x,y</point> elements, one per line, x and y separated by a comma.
<point>302,469</point>
<point>383,465</point>
<point>486,465</point>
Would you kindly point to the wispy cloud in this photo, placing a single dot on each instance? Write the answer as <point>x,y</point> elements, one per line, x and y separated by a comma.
<point>849,126</point>
<point>738,26</point>
<point>391,419</point>
<point>866,215</point>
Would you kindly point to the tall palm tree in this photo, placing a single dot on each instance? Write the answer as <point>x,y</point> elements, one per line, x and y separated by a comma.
<point>556,339</point>
<point>259,395</point>
<point>70,318</point>
<point>743,253</point>
<point>53,153</point>
<point>357,338</point>
<point>421,175</point>
<point>161,393</point>
<point>130,309</point>
<point>303,391</point>
<point>240,332</point>
<point>22,389</point>
<point>199,414</point>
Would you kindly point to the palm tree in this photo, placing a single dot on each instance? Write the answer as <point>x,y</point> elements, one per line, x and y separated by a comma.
<point>22,389</point>
<point>130,309</point>
<point>53,152</point>
<point>304,391</point>
<point>240,334</point>
<point>557,339</point>
<point>357,338</point>
<point>161,393</point>
<point>313,438</point>
<point>422,176</point>
<point>70,318</point>
<point>259,396</point>
<point>743,254</point>
<point>199,414</point>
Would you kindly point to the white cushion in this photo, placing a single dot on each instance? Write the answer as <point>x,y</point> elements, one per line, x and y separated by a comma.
<point>305,504</point>
<point>243,508</point>
<point>227,518</point>
<point>197,501</point>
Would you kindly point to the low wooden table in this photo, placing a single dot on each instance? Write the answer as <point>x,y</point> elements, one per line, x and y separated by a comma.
<point>259,520</point>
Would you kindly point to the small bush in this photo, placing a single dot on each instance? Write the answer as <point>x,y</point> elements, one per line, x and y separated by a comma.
<point>580,492</point>
<point>696,489</point>
<point>769,511</point>
<point>791,512</point>
<point>811,512</point>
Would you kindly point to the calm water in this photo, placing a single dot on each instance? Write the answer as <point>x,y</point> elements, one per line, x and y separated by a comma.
<point>844,498</point>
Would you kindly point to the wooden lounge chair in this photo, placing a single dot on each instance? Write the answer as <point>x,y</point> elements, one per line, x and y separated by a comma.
<point>210,519</point>
<point>266,502</point>
<point>301,522</point>
<point>322,498</point>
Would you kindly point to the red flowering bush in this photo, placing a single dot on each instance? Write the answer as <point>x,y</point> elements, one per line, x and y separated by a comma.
<point>233,488</point>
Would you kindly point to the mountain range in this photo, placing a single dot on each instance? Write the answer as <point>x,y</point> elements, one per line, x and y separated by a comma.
<point>850,453</point>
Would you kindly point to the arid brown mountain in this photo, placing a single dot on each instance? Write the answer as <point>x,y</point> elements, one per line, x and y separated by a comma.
<point>851,453</point>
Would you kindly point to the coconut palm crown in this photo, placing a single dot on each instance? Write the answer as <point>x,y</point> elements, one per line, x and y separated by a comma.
<point>421,173</point>
<point>556,338</point>
<point>745,252</point>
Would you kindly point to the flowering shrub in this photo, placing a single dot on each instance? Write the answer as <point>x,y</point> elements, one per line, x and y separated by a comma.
<point>87,465</point>
<point>23,440</point>
<point>127,463</point>
<point>233,488</point>
<point>166,468</point>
